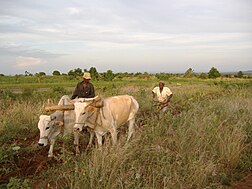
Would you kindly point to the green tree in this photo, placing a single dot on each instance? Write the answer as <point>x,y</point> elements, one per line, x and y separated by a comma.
<point>94,73</point>
<point>56,72</point>
<point>240,74</point>
<point>27,73</point>
<point>71,73</point>
<point>109,75</point>
<point>136,74</point>
<point>78,72</point>
<point>40,74</point>
<point>213,73</point>
<point>189,73</point>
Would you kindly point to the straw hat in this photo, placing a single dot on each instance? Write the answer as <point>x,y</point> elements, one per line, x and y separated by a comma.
<point>162,82</point>
<point>86,75</point>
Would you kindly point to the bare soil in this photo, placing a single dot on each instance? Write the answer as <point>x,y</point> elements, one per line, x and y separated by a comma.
<point>245,183</point>
<point>27,164</point>
<point>30,165</point>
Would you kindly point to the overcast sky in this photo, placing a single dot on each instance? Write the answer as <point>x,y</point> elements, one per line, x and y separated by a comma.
<point>125,35</point>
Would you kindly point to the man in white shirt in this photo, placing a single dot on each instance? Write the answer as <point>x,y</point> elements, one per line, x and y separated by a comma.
<point>163,94</point>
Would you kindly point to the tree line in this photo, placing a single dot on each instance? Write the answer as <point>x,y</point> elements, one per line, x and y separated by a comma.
<point>109,75</point>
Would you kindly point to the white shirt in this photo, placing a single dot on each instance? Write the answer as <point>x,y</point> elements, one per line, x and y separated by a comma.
<point>163,95</point>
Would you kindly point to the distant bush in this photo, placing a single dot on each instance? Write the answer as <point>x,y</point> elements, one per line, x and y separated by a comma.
<point>213,73</point>
<point>203,76</point>
<point>58,91</point>
<point>163,76</point>
<point>56,73</point>
<point>189,73</point>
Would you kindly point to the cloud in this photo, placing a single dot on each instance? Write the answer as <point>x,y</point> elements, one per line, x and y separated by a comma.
<point>175,31</point>
<point>73,10</point>
<point>25,62</point>
<point>13,24</point>
<point>16,49</point>
<point>47,29</point>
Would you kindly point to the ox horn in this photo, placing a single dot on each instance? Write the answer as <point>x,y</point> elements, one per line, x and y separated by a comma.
<point>59,107</point>
<point>49,101</point>
<point>98,102</point>
<point>91,99</point>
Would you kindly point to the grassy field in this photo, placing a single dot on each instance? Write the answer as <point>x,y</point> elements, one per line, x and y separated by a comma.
<point>204,141</point>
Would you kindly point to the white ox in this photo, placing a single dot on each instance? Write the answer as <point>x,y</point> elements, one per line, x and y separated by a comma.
<point>59,122</point>
<point>111,113</point>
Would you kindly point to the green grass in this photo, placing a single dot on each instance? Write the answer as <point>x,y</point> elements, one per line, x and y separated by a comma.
<point>17,82</point>
<point>206,145</point>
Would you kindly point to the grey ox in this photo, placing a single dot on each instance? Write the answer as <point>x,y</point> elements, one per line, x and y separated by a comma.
<point>106,115</point>
<point>50,126</point>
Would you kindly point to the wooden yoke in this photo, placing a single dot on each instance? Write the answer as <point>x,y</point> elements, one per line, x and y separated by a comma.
<point>59,107</point>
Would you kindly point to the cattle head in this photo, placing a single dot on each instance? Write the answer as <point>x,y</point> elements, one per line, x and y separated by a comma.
<point>84,110</point>
<point>49,127</point>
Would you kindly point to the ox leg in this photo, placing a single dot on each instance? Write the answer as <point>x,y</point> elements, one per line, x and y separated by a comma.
<point>76,143</point>
<point>99,139</point>
<point>114,137</point>
<point>50,152</point>
<point>131,128</point>
<point>91,137</point>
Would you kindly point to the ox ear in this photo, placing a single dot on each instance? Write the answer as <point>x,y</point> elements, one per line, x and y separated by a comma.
<point>99,102</point>
<point>52,117</point>
<point>91,109</point>
<point>59,123</point>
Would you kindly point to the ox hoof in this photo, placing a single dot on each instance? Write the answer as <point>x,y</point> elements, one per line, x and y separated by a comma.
<point>50,155</point>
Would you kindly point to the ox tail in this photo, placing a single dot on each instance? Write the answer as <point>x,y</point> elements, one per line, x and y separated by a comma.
<point>134,108</point>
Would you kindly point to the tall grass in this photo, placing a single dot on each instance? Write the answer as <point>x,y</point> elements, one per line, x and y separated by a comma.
<point>202,147</point>
<point>187,151</point>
